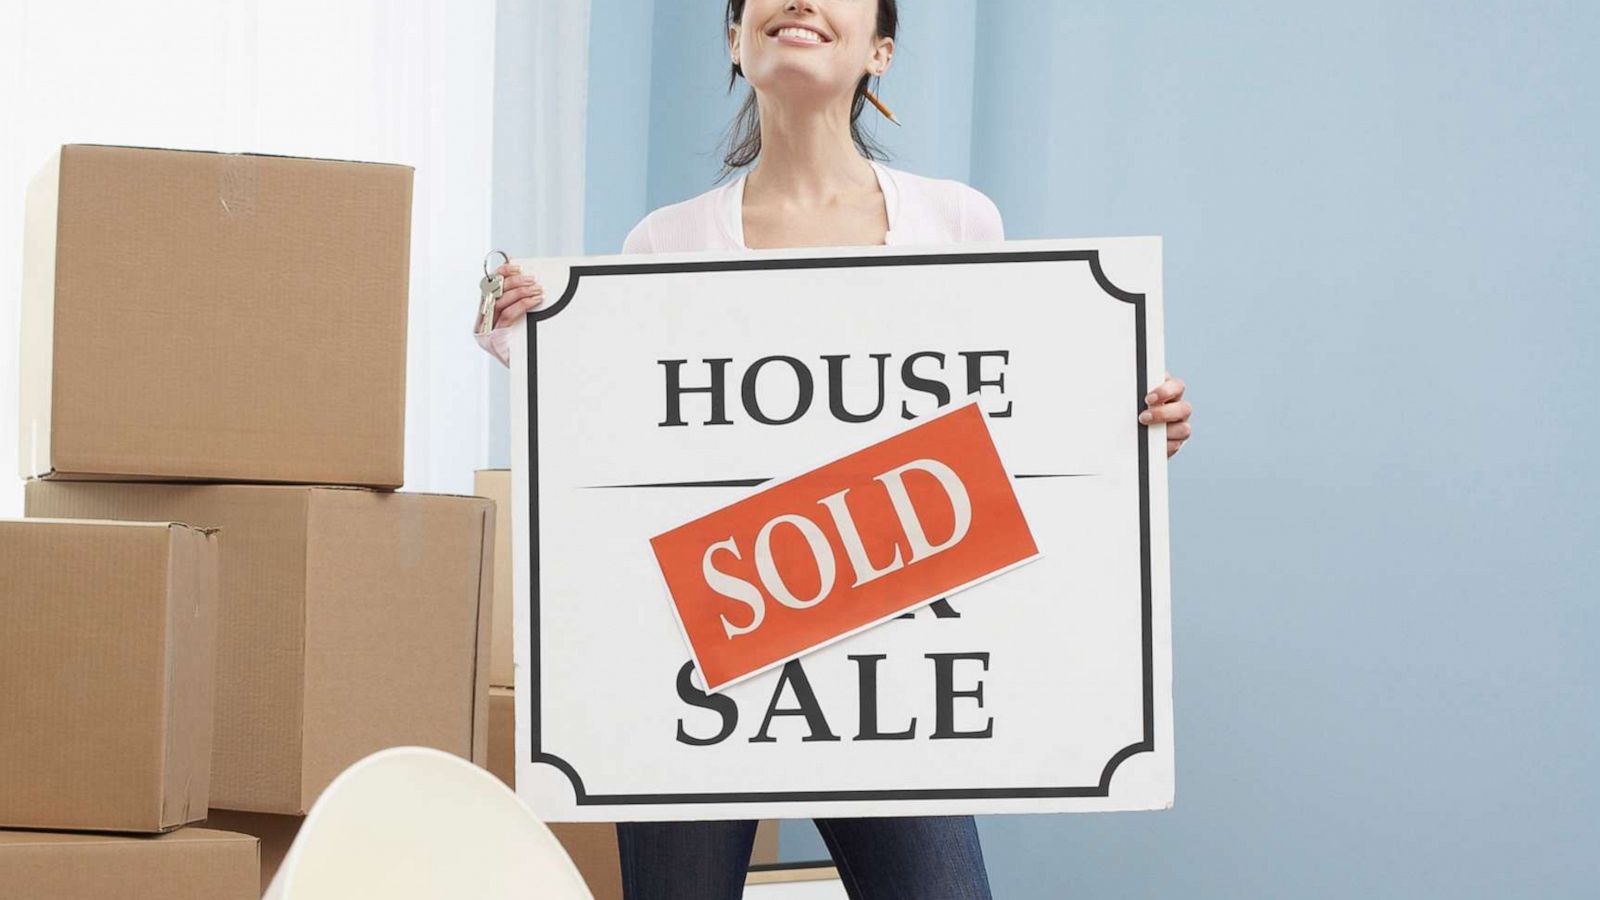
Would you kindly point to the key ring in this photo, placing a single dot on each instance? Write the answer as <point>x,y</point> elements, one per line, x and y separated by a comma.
<point>490,255</point>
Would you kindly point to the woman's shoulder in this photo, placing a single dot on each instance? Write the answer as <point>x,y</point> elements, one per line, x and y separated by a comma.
<point>692,224</point>
<point>958,210</point>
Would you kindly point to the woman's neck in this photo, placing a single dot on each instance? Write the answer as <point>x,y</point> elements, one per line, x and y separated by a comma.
<point>808,152</point>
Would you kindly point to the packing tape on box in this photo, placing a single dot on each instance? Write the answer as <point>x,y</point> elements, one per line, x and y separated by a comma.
<point>237,184</point>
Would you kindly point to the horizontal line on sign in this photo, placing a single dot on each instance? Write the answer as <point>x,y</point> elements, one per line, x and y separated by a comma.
<point>753,482</point>
<point>726,482</point>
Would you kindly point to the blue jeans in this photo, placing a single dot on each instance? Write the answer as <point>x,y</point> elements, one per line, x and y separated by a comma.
<point>922,858</point>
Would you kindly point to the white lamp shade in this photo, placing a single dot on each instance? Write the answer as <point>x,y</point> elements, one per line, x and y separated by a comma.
<point>410,823</point>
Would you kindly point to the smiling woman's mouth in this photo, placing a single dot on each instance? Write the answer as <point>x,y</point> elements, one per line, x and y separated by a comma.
<point>797,35</point>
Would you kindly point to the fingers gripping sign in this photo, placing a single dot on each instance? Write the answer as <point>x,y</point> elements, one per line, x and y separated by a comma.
<point>1165,406</point>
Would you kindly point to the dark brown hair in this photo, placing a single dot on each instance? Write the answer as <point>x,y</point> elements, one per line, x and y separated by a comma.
<point>743,141</point>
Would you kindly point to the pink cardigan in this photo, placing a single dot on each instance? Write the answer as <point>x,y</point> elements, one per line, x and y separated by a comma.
<point>921,211</point>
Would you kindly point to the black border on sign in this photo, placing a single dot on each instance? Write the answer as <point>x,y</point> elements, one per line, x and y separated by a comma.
<point>1101,789</point>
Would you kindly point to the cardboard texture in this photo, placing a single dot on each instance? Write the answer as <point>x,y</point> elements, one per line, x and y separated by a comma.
<point>182,310</point>
<point>188,864</point>
<point>276,834</point>
<point>593,848</point>
<point>501,761</point>
<point>495,484</point>
<point>765,851</point>
<point>106,656</point>
<point>351,620</point>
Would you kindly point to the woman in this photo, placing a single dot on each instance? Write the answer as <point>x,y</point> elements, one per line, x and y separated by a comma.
<point>816,182</point>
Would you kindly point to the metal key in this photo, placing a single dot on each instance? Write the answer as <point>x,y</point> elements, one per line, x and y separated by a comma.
<point>489,289</point>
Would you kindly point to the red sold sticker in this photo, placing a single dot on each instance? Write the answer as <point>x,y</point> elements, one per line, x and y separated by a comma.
<point>805,562</point>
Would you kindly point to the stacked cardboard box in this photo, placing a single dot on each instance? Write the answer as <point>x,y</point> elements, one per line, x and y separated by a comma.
<point>220,339</point>
<point>106,659</point>
<point>214,316</point>
<point>352,620</point>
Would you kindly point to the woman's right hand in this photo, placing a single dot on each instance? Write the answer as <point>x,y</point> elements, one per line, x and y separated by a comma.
<point>522,293</point>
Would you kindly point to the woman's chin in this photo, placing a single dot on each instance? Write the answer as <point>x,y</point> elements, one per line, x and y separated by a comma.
<point>799,79</point>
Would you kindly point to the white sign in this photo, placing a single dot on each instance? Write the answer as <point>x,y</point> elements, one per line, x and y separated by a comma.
<point>659,388</point>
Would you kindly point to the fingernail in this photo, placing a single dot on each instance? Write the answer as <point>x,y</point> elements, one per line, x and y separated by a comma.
<point>1145,417</point>
<point>1151,397</point>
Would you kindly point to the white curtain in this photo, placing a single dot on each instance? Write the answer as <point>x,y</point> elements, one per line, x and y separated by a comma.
<point>406,81</point>
<point>540,111</point>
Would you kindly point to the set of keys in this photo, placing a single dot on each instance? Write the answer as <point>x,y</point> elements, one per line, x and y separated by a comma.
<point>489,290</point>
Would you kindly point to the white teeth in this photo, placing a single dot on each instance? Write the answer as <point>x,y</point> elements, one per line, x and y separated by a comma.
<point>804,34</point>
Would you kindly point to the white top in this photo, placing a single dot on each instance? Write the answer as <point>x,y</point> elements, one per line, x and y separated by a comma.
<point>921,211</point>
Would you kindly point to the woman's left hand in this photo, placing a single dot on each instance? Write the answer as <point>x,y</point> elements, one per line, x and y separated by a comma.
<point>1166,404</point>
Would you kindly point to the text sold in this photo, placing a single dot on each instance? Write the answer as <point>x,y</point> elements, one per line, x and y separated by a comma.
<point>854,542</point>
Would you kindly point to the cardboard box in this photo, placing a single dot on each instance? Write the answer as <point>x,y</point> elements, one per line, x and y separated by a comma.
<point>215,316</point>
<point>351,621</point>
<point>495,484</point>
<point>276,834</point>
<point>187,864</point>
<point>107,648</point>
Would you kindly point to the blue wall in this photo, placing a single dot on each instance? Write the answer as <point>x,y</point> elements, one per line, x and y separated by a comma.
<point>1380,223</point>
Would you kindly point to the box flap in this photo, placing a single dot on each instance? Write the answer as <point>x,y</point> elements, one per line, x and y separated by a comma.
<point>191,835</point>
<point>192,596</point>
<point>361,162</point>
<point>495,484</point>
